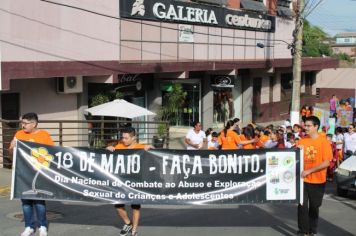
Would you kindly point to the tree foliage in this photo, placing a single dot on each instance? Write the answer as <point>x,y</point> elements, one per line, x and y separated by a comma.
<point>102,98</point>
<point>313,41</point>
<point>343,57</point>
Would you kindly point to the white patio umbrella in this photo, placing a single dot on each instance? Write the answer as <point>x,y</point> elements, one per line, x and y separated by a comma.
<point>119,108</point>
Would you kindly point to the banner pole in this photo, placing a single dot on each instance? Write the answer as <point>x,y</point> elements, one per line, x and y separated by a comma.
<point>14,151</point>
<point>301,186</point>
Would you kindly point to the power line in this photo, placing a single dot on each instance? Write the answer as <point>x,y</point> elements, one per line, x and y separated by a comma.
<point>164,27</point>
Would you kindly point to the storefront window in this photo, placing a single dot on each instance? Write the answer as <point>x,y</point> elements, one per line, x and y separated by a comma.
<point>189,112</point>
<point>127,92</point>
<point>223,105</point>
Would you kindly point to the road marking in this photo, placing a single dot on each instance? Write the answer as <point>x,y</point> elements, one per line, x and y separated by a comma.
<point>334,198</point>
<point>5,190</point>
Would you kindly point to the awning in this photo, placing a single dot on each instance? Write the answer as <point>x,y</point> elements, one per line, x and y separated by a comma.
<point>284,12</point>
<point>253,6</point>
<point>214,2</point>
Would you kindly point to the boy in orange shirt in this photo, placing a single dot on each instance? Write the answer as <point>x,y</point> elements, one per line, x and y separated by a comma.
<point>31,133</point>
<point>317,156</point>
<point>129,141</point>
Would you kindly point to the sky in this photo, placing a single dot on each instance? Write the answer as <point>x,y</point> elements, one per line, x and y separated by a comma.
<point>333,16</point>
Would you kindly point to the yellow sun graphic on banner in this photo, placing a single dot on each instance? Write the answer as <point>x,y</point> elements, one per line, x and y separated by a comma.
<point>311,152</point>
<point>40,157</point>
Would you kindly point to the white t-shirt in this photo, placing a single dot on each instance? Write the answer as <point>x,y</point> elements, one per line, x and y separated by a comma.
<point>350,142</point>
<point>208,138</point>
<point>195,138</point>
<point>338,138</point>
<point>288,144</point>
<point>213,145</point>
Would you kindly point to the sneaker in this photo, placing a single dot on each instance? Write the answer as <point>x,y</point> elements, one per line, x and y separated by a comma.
<point>43,231</point>
<point>28,232</point>
<point>134,233</point>
<point>126,229</point>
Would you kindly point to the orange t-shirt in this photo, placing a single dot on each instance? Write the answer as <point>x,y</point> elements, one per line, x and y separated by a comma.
<point>247,146</point>
<point>40,136</point>
<point>308,113</point>
<point>316,151</point>
<point>230,141</point>
<point>261,140</point>
<point>135,146</point>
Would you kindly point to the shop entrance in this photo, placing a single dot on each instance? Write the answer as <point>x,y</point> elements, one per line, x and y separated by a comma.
<point>190,110</point>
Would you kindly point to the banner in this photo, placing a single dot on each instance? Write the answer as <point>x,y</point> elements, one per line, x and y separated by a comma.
<point>323,116</point>
<point>344,117</point>
<point>332,124</point>
<point>156,176</point>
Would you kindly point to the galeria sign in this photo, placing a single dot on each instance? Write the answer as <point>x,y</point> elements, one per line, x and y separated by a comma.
<point>192,13</point>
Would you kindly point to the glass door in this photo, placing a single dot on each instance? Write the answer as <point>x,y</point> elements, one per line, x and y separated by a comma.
<point>190,110</point>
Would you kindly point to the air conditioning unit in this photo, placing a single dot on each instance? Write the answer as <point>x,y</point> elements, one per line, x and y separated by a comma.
<point>70,84</point>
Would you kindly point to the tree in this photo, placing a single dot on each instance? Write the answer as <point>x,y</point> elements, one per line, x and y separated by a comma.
<point>313,41</point>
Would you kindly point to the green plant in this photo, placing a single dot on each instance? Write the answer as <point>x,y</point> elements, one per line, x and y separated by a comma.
<point>102,98</point>
<point>343,57</point>
<point>99,99</point>
<point>172,102</point>
<point>162,130</point>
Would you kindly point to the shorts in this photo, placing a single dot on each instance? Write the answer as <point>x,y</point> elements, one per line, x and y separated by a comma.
<point>133,206</point>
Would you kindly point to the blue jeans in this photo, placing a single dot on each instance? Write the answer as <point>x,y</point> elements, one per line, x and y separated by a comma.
<point>27,208</point>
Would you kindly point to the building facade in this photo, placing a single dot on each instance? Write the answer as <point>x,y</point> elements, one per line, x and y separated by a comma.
<point>55,56</point>
<point>345,43</point>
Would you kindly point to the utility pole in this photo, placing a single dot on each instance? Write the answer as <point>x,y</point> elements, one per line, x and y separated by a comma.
<point>297,63</point>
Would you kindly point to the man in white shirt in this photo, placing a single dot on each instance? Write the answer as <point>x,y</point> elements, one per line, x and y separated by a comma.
<point>350,141</point>
<point>195,138</point>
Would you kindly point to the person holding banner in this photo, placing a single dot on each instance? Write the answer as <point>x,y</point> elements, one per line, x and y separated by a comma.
<point>31,133</point>
<point>129,141</point>
<point>317,157</point>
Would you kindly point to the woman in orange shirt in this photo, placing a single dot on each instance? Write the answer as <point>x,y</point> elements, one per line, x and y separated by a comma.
<point>248,138</point>
<point>303,112</point>
<point>228,138</point>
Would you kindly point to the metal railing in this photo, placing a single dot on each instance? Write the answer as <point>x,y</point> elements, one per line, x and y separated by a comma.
<point>87,133</point>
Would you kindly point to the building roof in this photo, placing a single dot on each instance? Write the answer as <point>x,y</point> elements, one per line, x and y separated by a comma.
<point>346,34</point>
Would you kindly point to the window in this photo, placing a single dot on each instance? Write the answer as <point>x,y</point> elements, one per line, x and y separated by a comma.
<point>287,81</point>
<point>284,3</point>
<point>309,81</point>
<point>190,110</point>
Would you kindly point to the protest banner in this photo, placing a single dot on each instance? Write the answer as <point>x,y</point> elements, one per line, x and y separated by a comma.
<point>156,176</point>
<point>323,116</point>
<point>344,117</point>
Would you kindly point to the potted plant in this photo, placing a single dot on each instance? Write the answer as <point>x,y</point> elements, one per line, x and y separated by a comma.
<point>160,138</point>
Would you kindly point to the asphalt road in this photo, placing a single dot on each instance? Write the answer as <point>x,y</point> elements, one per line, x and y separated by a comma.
<point>337,218</point>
